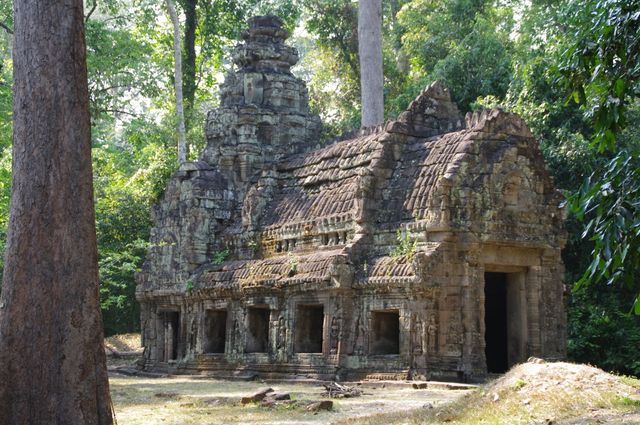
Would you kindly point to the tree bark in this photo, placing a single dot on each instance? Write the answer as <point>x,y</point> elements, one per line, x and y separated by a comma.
<point>189,65</point>
<point>370,52</point>
<point>182,143</point>
<point>52,357</point>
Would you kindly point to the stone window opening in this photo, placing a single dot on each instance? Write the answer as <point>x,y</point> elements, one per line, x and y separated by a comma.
<point>336,237</point>
<point>171,325</point>
<point>286,245</point>
<point>215,325</point>
<point>292,244</point>
<point>279,246</point>
<point>325,239</point>
<point>344,237</point>
<point>309,329</point>
<point>385,332</point>
<point>257,330</point>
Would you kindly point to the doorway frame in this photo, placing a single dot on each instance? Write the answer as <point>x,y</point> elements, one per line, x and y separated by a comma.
<point>516,311</point>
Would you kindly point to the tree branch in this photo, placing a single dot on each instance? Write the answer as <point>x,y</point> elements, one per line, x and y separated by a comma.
<point>93,9</point>
<point>117,111</point>
<point>6,28</point>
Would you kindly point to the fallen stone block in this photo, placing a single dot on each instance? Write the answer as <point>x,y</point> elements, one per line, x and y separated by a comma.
<point>260,394</point>
<point>320,405</point>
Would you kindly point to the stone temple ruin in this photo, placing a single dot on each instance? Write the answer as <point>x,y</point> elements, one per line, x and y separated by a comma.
<point>427,247</point>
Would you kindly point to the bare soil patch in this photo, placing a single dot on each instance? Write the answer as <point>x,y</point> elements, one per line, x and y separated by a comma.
<point>123,343</point>
<point>122,350</point>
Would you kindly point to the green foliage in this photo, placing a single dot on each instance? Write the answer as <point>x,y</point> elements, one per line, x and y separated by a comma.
<point>335,24</point>
<point>519,384</point>
<point>330,59</point>
<point>601,331</point>
<point>129,175</point>
<point>601,67</point>
<point>407,246</point>
<point>611,203</point>
<point>121,312</point>
<point>432,28</point>
<point>120,68</point>
<point>464,43</point>
<point>293,264</point>
<point>189,286</point>
<point>220,257</point>
<point>479,65</point>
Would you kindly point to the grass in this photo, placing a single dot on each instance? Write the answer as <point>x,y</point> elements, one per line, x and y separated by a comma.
<point>184,400</point>
<point>477,409</point>
<point>515,400</point>
<point>193,400</point>
<point>631,381</point>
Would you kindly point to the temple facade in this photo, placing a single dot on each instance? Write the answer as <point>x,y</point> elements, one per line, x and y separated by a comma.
<point>428,247</point>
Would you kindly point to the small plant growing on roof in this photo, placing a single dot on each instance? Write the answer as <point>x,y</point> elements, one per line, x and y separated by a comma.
<point>253,246</point>
<point>189,286</point>
<point>219,257</point>
<point>293,264</point>
<point>407,246</point>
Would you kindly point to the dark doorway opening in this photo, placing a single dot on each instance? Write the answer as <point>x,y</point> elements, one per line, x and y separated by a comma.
<point>171,334</point>
<point>385,335</point>
<point>258,330</point>
<point>215,324</point>
<point>495,322</point>
<point>309,329</point>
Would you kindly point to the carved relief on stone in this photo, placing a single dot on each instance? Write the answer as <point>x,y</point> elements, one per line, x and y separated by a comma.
<point>417,336</point>
<point>282,333</point>
<point>237,333</point>
<point>281,338</point>
<point>432,334</point>
<point>454,338</point>
<point>363,189</point>
<point>334,334</point>
<point>359,339</point>
<point>193,333</point>
<point>252,207</point>
<point>253,89</point>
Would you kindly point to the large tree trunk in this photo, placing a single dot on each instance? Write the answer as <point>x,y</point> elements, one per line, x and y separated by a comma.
<point>189,65</point>
<point>182,142</point>
<point>370,51</point>
<point>52,360</point>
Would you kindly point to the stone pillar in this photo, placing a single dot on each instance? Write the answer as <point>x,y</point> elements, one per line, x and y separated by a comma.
<point>533,289</point>
<point>472,308</point>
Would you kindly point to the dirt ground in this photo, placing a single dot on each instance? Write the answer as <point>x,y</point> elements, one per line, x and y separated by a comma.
<point>195,400</point>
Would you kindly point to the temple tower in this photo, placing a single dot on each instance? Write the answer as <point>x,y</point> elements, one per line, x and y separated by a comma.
<point>264,110</point>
